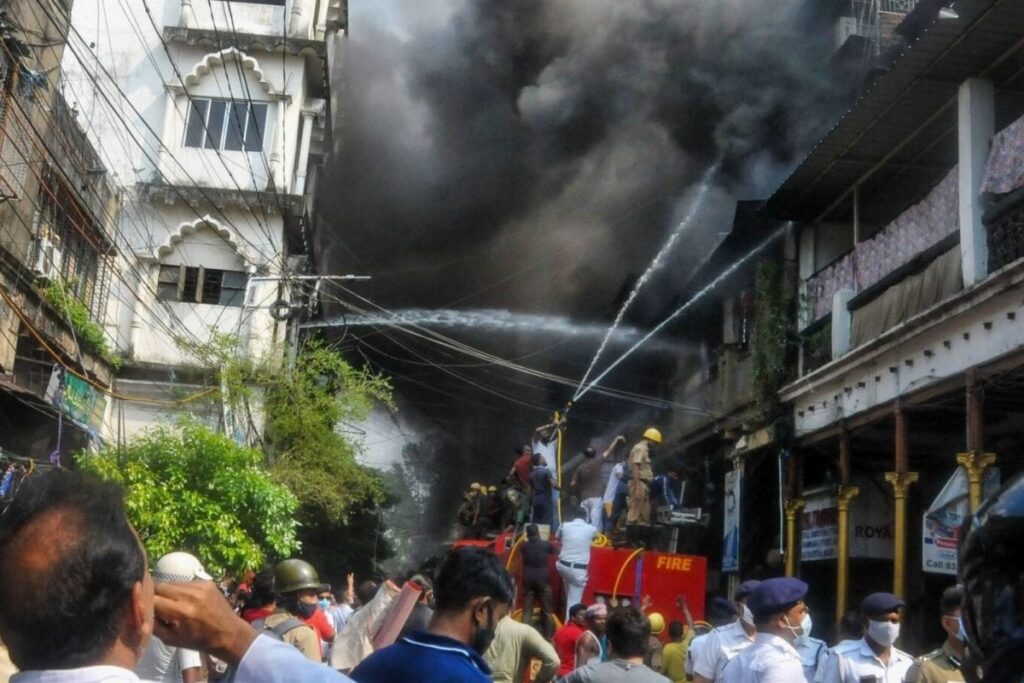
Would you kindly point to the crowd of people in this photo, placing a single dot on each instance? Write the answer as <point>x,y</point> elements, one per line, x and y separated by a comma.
<point>618,501</point>
<point>80,602</point>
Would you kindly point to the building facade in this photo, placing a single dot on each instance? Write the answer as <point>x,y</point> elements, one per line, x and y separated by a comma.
<point>58,220</point>
<point>909,251</point>
<point>214,117</point>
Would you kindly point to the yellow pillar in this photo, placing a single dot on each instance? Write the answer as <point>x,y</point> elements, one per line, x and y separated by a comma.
<point>793,508</point>
<point>900,481</point>
<point>975,464</point>
<point>844,497</point>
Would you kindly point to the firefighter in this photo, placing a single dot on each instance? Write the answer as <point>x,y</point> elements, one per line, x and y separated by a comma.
<point>469,511</point>
<point>638,497</point>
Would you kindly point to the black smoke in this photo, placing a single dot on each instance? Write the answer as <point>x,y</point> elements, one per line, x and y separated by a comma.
<point>534,154</point>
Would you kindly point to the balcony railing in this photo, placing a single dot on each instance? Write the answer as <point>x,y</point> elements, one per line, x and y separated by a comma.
<point>898,6</point>
<point>917,229</point>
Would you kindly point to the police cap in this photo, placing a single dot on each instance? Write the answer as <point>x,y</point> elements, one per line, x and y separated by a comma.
<point>880,603</point>
<point>776,595</point>
<point>746,588</point>
<point>721,608</point>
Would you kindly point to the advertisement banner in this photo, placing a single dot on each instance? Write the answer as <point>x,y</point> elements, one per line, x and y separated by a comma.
<point>871,520</point>
<point>944,518</point>
<point>820,527</point>
<point>731,528</point>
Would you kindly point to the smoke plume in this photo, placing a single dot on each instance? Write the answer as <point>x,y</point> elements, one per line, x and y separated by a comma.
<point>532,155</point>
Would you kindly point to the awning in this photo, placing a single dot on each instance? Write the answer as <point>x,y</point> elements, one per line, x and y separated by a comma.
<point>903,128</point>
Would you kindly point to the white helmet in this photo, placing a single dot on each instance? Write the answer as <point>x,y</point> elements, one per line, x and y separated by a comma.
<point>179,567</point>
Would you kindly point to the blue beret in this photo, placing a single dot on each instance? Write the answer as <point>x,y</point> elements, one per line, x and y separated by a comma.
<point>776,595</point>
<point>746,588</point>
<point>721,608</point>
<point>880,603</point>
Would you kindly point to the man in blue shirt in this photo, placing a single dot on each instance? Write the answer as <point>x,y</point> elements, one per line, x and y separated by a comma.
<point>472,593</point>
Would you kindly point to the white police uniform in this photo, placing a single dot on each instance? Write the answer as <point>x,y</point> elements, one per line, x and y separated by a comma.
<point>812,652</point>
<point>841,646</point>
<point>769,660</point>
<point>857,663</point>
<point>722,644</point>
<point>691,655</point>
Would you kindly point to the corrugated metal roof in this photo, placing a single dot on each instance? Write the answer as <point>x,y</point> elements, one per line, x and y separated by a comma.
<point>905,114</point>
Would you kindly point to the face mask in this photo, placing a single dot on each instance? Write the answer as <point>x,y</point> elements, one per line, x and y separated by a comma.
<point>884,633</point>
<point>805,628</point>
<point>748,616</point>
<point>797,631</point>
<point>304,610</point>
<point>961,634</point>
<point>324,604</point>
<point>483,637</point>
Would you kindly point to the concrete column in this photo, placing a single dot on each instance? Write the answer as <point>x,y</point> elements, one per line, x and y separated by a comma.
<point>295,19</point>
<point>187,19</point>
<point>302,163</point>
<point>170,139</point>
<point>282,121</point>
<point>842,323</point>
<point>977,125</point>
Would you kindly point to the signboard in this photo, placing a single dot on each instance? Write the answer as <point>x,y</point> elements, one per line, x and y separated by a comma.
<point>731,528</point>
<point>75,398</point>
<point>943,520</point>
<point>871,520</point>
<point>820,528</point>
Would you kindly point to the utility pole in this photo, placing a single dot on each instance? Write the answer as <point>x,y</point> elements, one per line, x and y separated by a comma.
<point>283,310</point>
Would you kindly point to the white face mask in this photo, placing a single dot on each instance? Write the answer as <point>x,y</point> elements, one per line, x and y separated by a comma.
<point>747,617</point>
<point>884,633</point>
<point>805,628</point>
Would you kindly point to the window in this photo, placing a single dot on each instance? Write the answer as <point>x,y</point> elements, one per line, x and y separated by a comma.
<point>225,124</point>
<point>201,285</point>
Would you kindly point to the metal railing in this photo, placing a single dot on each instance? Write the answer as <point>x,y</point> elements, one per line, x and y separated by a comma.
<point>898,6</point>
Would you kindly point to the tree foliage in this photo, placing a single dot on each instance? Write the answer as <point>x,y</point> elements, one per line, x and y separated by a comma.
<point>189,488</point>
<point>773,340</point>
<point>305,403</point>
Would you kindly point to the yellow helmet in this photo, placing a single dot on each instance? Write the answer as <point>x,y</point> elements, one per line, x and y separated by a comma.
<point>657,623</point>
<point>474,486</point>
<point>652,434</point>
<point>492,489</point>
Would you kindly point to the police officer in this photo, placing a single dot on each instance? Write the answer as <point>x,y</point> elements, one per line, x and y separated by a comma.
<point>992,573</point>
<point>720,612</point>
<point>778,608</point>
<point>728,641</point>
<point>812,650</point>
<point>943,665</point>
<point>872,658</point>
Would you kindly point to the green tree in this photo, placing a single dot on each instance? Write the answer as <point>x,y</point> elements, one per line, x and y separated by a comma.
<point>305,404</point>
<point>189,488</point>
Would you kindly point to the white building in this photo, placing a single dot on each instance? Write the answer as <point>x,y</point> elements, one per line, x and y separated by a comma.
<point>212,117</point>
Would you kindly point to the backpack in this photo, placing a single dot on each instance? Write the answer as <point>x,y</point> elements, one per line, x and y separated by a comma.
<point>277,632</point>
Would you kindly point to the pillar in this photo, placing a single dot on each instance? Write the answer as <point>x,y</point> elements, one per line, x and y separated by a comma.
<point>975,461</point>
<point>842,322</point>
<point>901,481</point>
<point>976,125</point>
<point>295,19</point>
<point>794,506</point>
<point>302,164</point>
<point>187,18</point>
<point>169,139</point>
<point>975,464</point>
<point>844,497</point>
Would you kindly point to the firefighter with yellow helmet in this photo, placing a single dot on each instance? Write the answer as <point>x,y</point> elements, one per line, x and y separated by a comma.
<point>638,495</point>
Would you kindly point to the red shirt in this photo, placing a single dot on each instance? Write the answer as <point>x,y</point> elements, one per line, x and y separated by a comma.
<point>565,645</point>
<point>523,465</point>
<point>255,613</point>
<point>321,624</point>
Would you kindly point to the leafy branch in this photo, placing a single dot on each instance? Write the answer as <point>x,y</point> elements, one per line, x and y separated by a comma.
<point>88,332</point>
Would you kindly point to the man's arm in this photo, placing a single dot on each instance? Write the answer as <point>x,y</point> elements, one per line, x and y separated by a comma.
<point>196,616</point>
<point>190,664</point>
<point>619,440</point>
<point>684,607</point>
<point>586,649</point>
<point>537,647</point>
<point>705,664</point>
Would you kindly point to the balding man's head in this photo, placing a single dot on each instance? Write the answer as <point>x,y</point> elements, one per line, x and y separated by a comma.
<point>73,584</point>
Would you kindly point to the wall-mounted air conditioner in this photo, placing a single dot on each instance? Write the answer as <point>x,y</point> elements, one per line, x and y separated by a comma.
<point>48,260</point>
